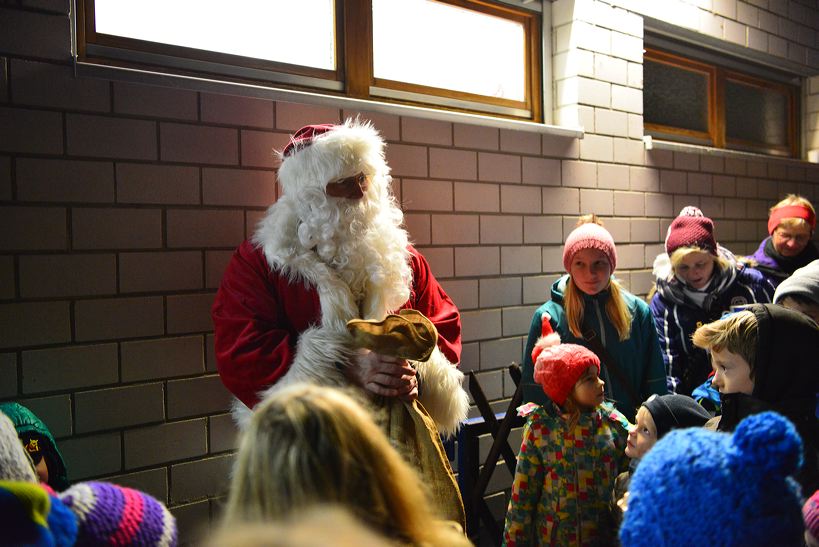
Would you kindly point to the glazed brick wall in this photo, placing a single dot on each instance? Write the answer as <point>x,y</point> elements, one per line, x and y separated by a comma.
<point>121,203</point>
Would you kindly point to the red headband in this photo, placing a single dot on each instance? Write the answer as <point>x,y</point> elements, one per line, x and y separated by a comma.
<point>791,211</point>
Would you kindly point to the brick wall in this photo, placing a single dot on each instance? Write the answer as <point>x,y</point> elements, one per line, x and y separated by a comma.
<point>120,204</point>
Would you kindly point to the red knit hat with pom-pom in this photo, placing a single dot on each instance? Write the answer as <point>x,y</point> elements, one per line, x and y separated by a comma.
<point>691,229</point>
<point>559,367</point>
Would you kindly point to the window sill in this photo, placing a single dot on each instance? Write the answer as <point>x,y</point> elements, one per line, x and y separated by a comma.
<point>93,70</point>
<point>657,144</point>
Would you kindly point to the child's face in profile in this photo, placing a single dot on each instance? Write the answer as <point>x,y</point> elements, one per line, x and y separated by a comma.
<point>732,373</point>
<point>642,435</point>
<point>588,391</point>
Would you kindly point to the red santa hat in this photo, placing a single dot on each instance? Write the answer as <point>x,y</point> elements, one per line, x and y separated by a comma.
<point>304,137</point>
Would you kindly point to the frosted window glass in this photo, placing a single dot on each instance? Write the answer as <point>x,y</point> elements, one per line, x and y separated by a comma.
<point>439,45</point>
<point>675,97</point>
<point>755,114</point>
<point>299,33</point>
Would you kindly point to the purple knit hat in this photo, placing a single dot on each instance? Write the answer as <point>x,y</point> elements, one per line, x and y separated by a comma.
<point>108,514</point>
<point>589,236</point>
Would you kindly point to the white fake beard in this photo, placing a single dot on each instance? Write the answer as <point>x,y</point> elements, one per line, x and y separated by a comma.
<point>362,240</point>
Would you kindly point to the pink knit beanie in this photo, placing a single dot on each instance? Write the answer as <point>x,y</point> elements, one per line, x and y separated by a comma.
<point>558,368</point>
<point>589,236</point>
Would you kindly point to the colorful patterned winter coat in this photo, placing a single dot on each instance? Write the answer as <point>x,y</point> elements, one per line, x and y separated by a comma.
<point>564,478</point>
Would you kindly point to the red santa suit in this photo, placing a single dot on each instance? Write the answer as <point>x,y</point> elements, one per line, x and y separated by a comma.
<point>280,313</point>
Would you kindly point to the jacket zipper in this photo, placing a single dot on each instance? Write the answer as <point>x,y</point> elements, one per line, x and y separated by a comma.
<point>602,335</point>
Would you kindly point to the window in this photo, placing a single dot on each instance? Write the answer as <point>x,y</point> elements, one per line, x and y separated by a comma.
<point>689,100</point>
<point>468,55</point>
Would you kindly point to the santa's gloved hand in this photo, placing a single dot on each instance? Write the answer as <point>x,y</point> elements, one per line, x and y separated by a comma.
<point>383,375</point>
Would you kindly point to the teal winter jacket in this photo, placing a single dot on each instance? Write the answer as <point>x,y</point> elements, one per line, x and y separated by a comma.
<point>638,356</point>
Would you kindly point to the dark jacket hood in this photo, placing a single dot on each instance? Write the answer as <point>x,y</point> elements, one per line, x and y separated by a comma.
<point>785,380</point>
<point>787,355</point>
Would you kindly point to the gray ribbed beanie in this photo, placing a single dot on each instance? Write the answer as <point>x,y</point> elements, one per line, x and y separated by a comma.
<point>804,282</point>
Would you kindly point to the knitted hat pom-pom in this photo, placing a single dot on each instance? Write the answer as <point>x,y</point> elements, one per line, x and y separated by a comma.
<point>769,443</point>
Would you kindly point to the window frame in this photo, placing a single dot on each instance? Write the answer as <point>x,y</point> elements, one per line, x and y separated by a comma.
<point>716,135</point>
<point>353,76</point>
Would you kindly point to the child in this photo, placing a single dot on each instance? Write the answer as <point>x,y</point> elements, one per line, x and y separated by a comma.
<point>697,281</point>
<point>589,307</point>
<point>572,449</point>
<point>698,487</point>
<point>39,443</point>
<point>86,514</point>
<point>656,417</point>
<point>800,291</point>
<point>764,358</point>
<point>308,445</point>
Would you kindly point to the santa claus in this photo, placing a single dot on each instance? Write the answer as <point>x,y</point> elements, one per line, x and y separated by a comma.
<point>330,250</point>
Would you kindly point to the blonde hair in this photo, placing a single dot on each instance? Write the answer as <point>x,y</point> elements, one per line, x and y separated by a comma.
<point>737,333</point>
<point>320,525</point>
<point>793,223</point>
<point>310,445</point>
<point>679,254</point>
<point>616,309</point>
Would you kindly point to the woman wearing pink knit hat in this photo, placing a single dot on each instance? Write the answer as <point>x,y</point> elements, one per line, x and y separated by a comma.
<point>590,308</point>
<point>697,281</point>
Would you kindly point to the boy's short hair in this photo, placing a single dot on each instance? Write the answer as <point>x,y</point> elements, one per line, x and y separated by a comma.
<point>737,333</point>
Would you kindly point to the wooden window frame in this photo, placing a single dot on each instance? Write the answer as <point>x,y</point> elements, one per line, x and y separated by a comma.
<point>353,76</point>
<point>716,134</point>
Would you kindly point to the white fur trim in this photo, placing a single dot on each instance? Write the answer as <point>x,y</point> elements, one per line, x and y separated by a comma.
<point>442,392</point>
<point>294,244</point>
<point>551,339</point>
<point>662,267</point>
<point>240,413</point>
<point>276,236</point>
<point>317,352</point>
<point>341,152</point>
